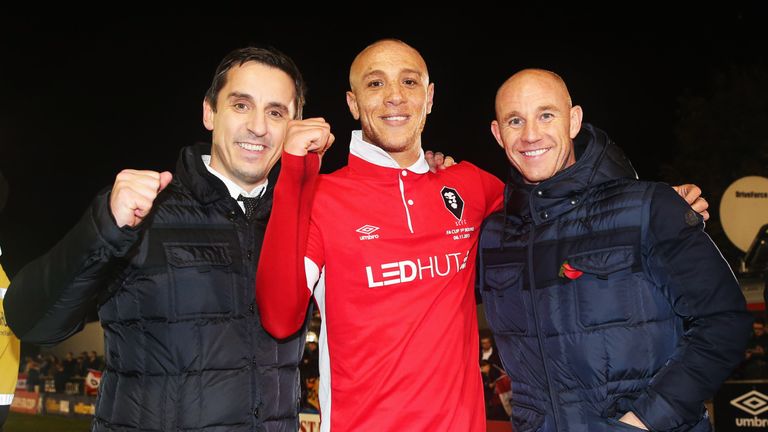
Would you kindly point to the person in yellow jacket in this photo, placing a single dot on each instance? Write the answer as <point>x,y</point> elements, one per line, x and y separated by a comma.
<point>9,356</point>
<point>9,343</point>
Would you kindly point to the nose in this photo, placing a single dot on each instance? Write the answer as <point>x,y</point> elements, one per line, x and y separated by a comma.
<point>257,124</point>
<point>531,132</point>
<point>394,95</point>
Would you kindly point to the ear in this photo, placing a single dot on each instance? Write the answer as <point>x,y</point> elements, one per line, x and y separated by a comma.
<point>496,132</point>
<point>208,115</point>
<point>430,95</point>
<point>352,104</point>
<point>576,116</point>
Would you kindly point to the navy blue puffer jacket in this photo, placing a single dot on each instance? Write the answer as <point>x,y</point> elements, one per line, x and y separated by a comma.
<point>654,324</point>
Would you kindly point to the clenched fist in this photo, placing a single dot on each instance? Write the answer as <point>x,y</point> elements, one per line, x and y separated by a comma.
<point>308,135</point>
<point>133,194</point>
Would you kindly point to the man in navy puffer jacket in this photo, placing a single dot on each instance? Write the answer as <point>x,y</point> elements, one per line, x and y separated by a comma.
<point>611,307</point>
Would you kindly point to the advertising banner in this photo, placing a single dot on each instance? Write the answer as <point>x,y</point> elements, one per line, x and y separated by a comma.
<point>26,402</point>
<point>742,406</point>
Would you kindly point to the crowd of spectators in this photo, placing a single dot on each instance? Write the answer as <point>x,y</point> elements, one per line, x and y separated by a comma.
<point>46,372</point>
<point>755,364</point>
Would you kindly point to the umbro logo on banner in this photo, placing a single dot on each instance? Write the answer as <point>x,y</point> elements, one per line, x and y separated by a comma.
<point>753,402</point>
<point>453,202</point>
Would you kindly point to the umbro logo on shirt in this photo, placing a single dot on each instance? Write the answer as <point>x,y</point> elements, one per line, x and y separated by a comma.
<point>368,232</point>
<point>367,229</point>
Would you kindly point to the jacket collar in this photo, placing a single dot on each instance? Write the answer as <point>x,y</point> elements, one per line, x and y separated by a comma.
<point>598,161</point>
<point>207,188</point>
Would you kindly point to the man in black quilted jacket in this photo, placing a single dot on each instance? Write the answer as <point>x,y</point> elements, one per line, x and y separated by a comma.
<point>170,261</point>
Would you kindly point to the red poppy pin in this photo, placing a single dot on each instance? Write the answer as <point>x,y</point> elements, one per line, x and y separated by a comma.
<point>569,272</point>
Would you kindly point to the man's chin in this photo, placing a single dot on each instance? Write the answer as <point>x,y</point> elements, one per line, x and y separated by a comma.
<point>395,144</point>
<point>253,177</point>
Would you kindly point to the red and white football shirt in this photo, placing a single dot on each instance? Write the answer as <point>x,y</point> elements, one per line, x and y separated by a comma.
<point>396,251</point>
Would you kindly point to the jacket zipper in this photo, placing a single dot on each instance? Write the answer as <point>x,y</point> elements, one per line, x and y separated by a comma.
<point>532,279</point>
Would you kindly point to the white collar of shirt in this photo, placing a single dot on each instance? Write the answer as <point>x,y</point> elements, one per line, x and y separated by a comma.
<point>232,187</point>
<point>375,155</point>
<point>487,354</point>
<point>235,190</point>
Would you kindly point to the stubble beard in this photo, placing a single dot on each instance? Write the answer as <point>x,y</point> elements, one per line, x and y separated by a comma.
<point>373,138</point>
<point>251,177</point>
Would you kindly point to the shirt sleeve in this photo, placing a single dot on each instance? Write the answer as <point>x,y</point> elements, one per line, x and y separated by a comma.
<point>314,260</point>
<point>686,265</point>
<point>493,190</point>
<point>281,276</point>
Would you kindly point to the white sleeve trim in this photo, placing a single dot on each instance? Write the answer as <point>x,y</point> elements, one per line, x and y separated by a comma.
<point>6,399</point>
<point>313,273</point>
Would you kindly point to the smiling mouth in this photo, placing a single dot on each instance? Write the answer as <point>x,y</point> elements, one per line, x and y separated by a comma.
<point>251,147</point>
<point>396,118</point>
<point>534,153</point>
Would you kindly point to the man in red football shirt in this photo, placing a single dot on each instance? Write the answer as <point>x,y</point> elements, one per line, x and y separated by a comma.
<point>387,248</point>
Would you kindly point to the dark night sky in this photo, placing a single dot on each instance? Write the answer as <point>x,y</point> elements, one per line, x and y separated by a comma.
<point>83,100</point>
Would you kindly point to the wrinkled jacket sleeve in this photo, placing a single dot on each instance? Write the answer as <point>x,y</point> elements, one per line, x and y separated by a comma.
<point>49,298</point>
<point>281,283</point>
<point>700,286</point>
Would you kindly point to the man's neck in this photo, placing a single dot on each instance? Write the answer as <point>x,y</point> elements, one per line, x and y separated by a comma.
<point>235,187</point>
<point>406,158</point>
<point>412,159</point>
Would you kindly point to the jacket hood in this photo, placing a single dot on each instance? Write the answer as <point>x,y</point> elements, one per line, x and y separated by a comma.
<point>598,160</point>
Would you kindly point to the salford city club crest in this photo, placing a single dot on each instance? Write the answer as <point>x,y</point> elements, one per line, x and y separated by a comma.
<point>453,202</point>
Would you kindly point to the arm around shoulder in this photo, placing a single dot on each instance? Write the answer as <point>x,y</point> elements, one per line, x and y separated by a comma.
<point>690,271</point>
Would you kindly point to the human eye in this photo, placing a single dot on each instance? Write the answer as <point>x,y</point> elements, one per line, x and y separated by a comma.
<point>276,113</point>
<point>240,106</point>
<point>547,116</point>
<point>375,83</point>
<point>515,122</point>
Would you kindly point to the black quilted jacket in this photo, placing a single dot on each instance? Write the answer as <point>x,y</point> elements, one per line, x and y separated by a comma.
<point>184,347</point>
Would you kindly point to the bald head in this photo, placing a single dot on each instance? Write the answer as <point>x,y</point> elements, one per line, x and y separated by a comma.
<point>391,95</point>
<point>536,124</point>
<point>528,80</point>
<point>387,52</point>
